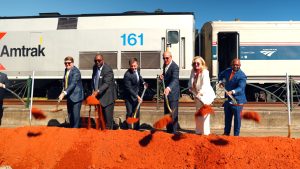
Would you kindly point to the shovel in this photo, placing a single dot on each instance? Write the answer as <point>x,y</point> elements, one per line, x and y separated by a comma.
<point>249,115</point>
<point>231,97</point>
<point>161,123</point>
<point>205,109</point>
<point>56,110</point>
<point>133,119</point>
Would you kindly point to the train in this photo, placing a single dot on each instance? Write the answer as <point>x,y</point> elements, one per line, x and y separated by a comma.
<point>268,50</point>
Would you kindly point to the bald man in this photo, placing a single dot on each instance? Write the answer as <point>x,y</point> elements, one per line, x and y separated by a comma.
<point>234,81</point>
<point>170,76</point>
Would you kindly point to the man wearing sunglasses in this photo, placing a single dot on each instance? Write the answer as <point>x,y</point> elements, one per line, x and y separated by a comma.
<point>170,76</point>
<point>73,90</point>
<point>103,86</point>
<point>234,81</point>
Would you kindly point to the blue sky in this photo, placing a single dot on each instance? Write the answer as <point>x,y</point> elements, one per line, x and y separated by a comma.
<point>226,10</point>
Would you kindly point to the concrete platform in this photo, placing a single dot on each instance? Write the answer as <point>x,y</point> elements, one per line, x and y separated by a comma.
<point>274,120</point>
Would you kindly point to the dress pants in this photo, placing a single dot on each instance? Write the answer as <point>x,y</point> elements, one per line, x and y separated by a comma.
<point>203,125</point>
<point>108,113</point>
<point>202,122</point>
<point>1,111</point>
<point>230,111</point>
<point>130,109</point>
<point>74,113</point>
<point>172,127</point>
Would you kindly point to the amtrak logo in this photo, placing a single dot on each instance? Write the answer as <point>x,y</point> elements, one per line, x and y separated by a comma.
<point>2,34</point>
<point>268,52</point>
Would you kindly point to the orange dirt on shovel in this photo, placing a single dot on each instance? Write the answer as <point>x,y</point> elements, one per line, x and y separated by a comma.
<point>37,113</point>
<point>163,122</point>
<point>251,116</point>
<point>204,110</point>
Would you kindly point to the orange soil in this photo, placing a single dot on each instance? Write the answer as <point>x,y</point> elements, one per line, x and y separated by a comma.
<point>54,147</point>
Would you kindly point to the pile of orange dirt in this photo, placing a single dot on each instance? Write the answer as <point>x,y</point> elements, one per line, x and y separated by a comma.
<point>54,147</point>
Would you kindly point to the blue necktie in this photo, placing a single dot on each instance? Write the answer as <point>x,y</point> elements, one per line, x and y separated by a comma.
<point>96,80</point>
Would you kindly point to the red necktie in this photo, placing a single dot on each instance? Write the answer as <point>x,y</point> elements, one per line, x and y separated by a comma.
<point>231,75</point>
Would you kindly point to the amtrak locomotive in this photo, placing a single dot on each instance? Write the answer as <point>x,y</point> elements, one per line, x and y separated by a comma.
<point>268,50</point>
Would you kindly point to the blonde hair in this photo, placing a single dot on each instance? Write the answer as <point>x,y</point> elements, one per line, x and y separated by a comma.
<point>202,61</point>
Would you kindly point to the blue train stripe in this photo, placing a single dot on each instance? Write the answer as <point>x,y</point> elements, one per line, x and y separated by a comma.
<point>266,52</point>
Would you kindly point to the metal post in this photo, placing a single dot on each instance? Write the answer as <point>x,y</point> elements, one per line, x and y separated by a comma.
<point>157,92</point>
<point>288,104</point>
<point>292,92</point>
<point>29,80</point>
<point>31,98</point>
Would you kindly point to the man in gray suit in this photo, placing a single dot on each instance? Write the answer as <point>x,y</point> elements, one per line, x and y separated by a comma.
<point>170,76</point>
<point>3,84</point>
<point>103,85</point>
<point>73,90</point>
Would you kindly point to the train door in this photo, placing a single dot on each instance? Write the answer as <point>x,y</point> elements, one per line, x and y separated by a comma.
<point>228,49</point>
<point>173,45</point>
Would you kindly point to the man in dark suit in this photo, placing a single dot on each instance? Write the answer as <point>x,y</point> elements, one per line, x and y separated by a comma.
<point>103,85</point>
<point>3,84</point>
<point>234,81</point>
<point>132,83</point>
<point>73,90</point>
<point>170,76</point>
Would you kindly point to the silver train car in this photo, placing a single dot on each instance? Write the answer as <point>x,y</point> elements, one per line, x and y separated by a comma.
<point>269,50</point>
<point>40,43</point>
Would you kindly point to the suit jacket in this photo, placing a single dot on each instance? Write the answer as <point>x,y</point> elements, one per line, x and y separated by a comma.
<point>75,88</point>
<point>131,85</point>
<point>171,78</point>
<point>237,83</point>
<point>203,89</point>
<point>106,85</point>
<point>4,80</point>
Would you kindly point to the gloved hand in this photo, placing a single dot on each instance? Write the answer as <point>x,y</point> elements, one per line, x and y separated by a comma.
<point>61,96</point>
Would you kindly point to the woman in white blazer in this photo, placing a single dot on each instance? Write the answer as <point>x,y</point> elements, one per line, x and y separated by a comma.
<point>199,84</point>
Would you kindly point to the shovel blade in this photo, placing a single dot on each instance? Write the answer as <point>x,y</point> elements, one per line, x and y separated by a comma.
<point>131,120</point>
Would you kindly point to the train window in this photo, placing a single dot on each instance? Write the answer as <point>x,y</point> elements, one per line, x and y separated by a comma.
<point>67,23</point>
<point>125,56</point>
<point>150,60</point>
<point>173,37</point>
<point>86,59</point>
<point>146,59</point>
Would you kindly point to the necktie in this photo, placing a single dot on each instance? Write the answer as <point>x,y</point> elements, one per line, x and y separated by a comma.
<point>137,76</point>
<point>67,78</point>
<point>96,80</point>
<point>231,75</point>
